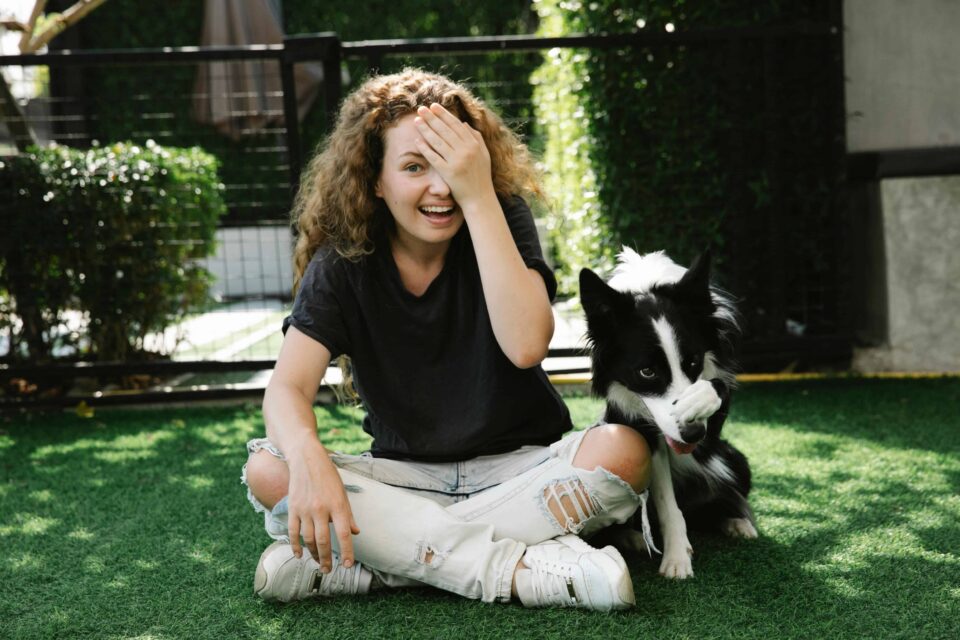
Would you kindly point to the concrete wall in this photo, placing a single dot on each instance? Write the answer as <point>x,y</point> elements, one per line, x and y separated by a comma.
<point>921,244</point>
<point>901,59</point>
<point>903,92</point>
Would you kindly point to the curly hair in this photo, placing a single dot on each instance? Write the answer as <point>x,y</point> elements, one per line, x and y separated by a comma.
<point>336,204</point>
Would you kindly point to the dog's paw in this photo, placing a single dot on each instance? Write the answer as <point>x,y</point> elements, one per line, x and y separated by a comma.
<point>677,562</point>
<point>740,528</point>
<point>677,566</point>
<point>698,402</point>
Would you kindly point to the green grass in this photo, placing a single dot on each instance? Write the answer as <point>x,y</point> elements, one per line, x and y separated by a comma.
<point>133,524</point>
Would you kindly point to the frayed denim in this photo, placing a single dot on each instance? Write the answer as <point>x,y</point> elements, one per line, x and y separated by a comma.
<point>463,526</point>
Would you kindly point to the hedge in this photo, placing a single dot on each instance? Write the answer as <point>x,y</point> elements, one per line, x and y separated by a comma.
<point>114,233</point>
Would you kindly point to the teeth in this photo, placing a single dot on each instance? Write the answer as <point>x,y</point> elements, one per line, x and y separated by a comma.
<point>436,209</point>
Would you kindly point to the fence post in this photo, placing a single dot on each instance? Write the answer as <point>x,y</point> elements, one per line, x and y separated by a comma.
<point>324,47</point>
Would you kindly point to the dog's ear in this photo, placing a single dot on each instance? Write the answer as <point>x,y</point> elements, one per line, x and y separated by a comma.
<point>600,301</point>
<point>694,287</point>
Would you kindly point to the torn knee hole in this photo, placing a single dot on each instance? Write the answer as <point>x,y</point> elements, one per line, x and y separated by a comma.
<point>569,504</point>
<point>429,555</point>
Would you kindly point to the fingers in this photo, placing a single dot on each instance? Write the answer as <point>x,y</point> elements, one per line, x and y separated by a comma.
<point>443,131</point>
<point>447,125</point>
<point>316,538</point>
<point>293,533</point>
<point>427,152</point>
<point>433,139</point>
<point>344,528</point>
<point>321,540</point>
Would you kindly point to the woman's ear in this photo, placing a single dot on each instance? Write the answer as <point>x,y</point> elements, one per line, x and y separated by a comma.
<point>377,191</point>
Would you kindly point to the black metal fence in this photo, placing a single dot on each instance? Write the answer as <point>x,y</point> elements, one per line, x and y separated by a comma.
<point>143,94</point>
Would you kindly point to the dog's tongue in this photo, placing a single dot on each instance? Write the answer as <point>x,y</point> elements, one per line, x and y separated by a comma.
<point>680,447</point>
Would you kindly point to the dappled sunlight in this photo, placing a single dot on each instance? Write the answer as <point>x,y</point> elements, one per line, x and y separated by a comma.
<point>27,524</point>
<point>146,565</point>
<point>195,482</point>
<point>94,565</point>
<point>123,448</point>
<point>201,556</point>
<point>40,496</point>
<point>126,519</point>
<point>81,534</point>
<point>118,582</point>
<point>25,561</point>
<point>868,516</point>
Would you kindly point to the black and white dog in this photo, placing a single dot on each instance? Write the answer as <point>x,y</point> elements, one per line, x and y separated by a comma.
<point>662,342</point>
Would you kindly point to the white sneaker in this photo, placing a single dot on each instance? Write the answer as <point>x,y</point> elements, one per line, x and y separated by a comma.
<point>567,572</point>
<point>283,576</point>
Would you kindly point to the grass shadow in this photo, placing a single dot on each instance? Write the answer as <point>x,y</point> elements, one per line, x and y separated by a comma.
<point>134,523</point>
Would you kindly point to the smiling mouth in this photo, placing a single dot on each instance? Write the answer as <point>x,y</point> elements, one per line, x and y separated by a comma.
<point>438,213</point>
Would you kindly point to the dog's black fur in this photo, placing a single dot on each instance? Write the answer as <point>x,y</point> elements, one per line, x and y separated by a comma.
<point>662,343</point>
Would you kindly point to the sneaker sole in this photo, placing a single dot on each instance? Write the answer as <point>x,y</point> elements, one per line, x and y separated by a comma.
<point>260,575</point>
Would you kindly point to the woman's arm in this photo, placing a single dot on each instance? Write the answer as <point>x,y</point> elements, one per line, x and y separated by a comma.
<point>516,295</point>
<point>316,495</point>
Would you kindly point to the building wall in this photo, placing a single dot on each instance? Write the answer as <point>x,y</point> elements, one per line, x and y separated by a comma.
<point>901,59</point>
<point>921,224</point>
<point>903,92</point>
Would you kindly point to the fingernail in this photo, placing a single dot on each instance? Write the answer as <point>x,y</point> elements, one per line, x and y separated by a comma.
<point>348,563</point>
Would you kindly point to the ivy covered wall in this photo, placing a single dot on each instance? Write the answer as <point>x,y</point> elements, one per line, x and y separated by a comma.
<point>728,142</point>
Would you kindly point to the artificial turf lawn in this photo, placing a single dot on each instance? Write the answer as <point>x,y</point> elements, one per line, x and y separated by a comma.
<point>133,524</point>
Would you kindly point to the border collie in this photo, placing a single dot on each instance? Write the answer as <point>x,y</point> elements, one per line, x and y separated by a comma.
<point>662,340</point>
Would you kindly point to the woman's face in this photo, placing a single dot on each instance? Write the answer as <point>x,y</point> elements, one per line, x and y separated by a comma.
<point>419,200</point>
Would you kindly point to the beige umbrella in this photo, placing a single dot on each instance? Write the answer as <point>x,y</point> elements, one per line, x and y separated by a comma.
<point>245,96</point>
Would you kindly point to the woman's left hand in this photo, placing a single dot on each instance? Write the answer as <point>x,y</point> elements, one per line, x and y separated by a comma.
<point>456,151</point>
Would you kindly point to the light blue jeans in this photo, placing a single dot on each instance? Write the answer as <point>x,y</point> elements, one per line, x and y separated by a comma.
<point>463,526</point>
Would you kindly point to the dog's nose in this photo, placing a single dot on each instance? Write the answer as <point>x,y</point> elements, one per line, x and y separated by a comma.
<point>693,432</point>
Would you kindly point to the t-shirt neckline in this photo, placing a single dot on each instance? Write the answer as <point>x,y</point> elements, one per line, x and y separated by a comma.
<point>386,256</point>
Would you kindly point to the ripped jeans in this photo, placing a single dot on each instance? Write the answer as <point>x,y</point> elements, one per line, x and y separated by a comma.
<point>463,526</point>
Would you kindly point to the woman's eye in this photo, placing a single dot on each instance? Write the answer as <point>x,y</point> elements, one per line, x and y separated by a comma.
<point>647,373</point>
<point>412,168</point>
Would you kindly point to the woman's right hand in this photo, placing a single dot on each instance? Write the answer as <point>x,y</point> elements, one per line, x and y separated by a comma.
<point>316,499</point>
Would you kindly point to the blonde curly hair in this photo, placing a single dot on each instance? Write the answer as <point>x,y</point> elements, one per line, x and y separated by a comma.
<point>336,204</point>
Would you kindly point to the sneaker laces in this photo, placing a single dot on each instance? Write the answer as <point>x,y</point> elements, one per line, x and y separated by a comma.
<point>553,584</point>
<point>341,581</point>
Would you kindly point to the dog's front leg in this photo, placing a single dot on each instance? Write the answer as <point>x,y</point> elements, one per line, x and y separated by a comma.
<point>676,547</point>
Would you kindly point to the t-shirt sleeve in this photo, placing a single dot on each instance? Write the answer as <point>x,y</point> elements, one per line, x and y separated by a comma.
<point>317,309</point>
<point>524,230</point>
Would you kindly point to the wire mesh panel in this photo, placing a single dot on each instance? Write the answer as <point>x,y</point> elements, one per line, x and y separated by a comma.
<point>745,159</point>
<point>732,142</point>
<point>235,280</point>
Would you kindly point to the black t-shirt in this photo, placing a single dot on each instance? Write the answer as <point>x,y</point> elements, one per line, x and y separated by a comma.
<point>432,378</point>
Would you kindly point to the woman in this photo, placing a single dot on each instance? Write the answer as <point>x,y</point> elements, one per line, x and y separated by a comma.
<point>419,260</point>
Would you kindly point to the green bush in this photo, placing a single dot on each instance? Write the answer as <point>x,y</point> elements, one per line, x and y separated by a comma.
<point>115,233</point>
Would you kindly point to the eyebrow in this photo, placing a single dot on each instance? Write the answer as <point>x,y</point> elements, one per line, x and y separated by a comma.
<point>415,154</point>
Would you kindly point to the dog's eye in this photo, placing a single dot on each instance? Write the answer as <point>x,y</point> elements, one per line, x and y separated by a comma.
<point>648,373</point>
